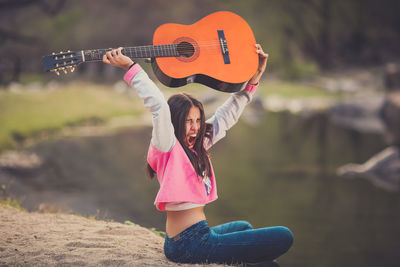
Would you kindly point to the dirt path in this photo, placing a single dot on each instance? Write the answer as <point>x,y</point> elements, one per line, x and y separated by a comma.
<point>37,239</point>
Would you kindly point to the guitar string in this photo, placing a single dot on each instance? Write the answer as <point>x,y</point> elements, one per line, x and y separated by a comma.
<point>183,47</point>
<point>162,47</point>
<point>171,46</point>
<point>167,46</point>
<point>212,42</point>
<point>169,49</point>
<point>166,53</point>
<point>211,48</point>
<point>177,52</point>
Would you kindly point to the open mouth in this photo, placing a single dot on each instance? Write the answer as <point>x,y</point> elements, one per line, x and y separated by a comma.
<point>191,140</point>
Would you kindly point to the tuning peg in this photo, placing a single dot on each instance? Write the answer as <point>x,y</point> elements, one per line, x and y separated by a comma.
<point>58,74</point>
<point>72,69</point>
<point>65,71</point>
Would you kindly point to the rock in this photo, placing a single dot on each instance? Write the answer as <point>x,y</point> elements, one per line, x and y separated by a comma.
<point>392,77</point>
<point>383,169</point>
<point>378,116</point>
<point>390,114</point>
<point>19,159</point>
<point>359,114</point>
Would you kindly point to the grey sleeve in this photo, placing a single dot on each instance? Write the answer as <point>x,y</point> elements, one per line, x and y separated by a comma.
<point>163,137</point>
<point>227,115</point>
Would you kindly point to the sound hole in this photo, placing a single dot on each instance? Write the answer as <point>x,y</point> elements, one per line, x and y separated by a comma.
<point>185,49</point>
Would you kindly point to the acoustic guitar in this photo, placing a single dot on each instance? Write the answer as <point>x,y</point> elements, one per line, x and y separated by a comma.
<point>217,51</point>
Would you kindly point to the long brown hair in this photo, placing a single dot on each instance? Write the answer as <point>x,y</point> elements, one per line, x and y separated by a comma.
<point>180,105</point>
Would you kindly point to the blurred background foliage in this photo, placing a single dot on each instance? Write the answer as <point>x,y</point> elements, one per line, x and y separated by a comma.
<point>303,37</point>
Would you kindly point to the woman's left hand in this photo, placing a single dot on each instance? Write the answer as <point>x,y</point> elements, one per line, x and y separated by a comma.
<point>262,65</point>
<point>116,58</point>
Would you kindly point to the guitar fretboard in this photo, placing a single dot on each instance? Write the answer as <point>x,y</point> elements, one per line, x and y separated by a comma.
<point>148,51</point>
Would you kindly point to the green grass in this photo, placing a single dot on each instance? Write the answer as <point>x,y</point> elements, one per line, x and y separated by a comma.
<point>294,90</point>
<point>11,202</point>
<point>26,113</point>
<point>29,113</point>
<point>8,200</point>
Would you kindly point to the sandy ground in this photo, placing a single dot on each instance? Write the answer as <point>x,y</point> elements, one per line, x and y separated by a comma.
<point>43,239</point>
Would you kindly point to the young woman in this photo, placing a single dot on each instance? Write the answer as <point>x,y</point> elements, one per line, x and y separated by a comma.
<point>178,155</point>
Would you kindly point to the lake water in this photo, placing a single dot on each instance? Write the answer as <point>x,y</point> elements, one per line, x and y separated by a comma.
<point>280,171</point>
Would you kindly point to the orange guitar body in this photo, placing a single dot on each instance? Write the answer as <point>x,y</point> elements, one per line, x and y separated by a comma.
<point>210,61</point>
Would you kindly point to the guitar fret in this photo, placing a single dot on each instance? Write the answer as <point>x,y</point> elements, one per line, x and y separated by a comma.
<point>93,55</point>
<point>127,53</point>
<point>159,50</point>
<point>155,51</point>
<point>172,49</point>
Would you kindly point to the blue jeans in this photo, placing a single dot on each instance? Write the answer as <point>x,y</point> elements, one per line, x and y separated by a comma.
<point>234,242</point>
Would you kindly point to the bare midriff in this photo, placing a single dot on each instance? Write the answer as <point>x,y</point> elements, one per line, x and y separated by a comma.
<point>177,221</point>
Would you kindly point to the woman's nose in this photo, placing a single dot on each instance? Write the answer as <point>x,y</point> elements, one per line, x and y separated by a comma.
<point>195,125</point>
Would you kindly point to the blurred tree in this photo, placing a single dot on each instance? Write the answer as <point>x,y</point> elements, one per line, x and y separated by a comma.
<point>13,37</point>
<point>337,33</point>
<point>301,36</point>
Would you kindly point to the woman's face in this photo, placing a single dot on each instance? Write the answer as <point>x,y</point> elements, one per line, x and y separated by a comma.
<point>192,126</point>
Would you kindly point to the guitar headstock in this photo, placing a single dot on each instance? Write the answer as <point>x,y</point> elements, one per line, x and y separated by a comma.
<point>62,61</point>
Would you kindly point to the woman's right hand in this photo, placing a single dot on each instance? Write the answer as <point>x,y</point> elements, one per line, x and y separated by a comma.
<point>117,59</point>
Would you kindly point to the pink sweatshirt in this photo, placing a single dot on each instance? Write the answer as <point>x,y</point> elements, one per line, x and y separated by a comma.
<point>178,179</point>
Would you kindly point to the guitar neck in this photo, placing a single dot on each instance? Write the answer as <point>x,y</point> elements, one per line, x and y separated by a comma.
<point>149,51</point>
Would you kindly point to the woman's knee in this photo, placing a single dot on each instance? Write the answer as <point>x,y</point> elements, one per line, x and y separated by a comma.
<point>245,225</point>
<point>286,238</point>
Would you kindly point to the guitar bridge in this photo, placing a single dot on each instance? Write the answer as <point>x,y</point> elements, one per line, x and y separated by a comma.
<point>224,47</point>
